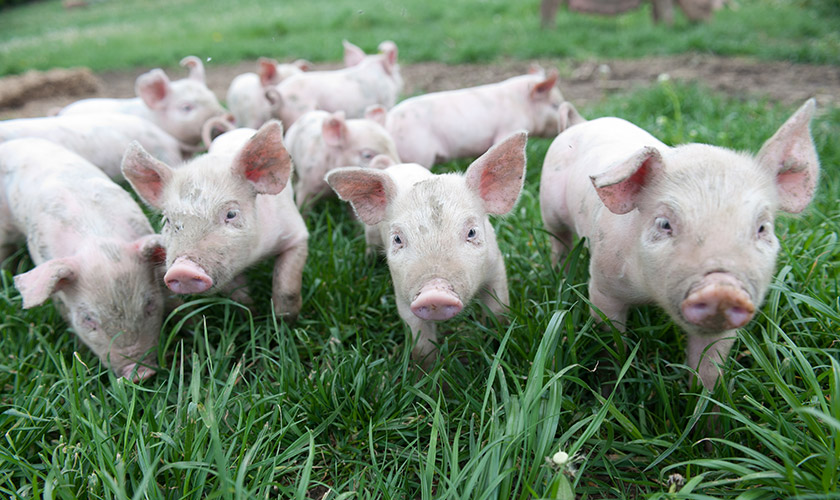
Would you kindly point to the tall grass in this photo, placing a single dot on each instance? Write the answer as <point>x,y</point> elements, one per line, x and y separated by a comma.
<point>245,406</point>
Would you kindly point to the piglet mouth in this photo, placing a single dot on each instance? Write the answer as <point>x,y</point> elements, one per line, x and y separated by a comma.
<point>718,302</point>
<point>436,301</point>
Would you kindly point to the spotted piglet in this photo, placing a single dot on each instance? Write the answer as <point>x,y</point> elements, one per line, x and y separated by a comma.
<point>93,248</point>
<point>689,228</point>
<point>437,237</point>
<point>225,211</point>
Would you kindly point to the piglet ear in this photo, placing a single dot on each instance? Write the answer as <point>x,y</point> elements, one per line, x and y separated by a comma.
<point>381,162</point>
<point>334,130</point>
<point>353,55</point>
<point>569,116</point>
<point>497,175</point>
<point>792,156</point>
<point>369,191</point>
<point>146,174</point>
<point>264,160</point>
<point>389,49</point>
<point>303,65</point>
<point>376,113</point>
<point>196,68</point>
<point>267,69</point>
<point>620,186</point>
<point>37,285</point>
<point>151,248</point>
<point>542,89</point>
<point>153,88</point>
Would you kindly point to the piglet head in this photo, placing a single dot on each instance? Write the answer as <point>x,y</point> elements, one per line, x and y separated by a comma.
<point>112,297</point>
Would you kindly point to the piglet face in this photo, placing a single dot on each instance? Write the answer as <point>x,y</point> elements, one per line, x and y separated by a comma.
<point>544,100</point>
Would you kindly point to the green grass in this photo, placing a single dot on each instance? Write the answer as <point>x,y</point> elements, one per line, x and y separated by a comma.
<point>245,406</point>
<point>116,35</point>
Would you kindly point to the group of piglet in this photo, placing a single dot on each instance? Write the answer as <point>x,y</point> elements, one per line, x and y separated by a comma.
<point>690,228</point>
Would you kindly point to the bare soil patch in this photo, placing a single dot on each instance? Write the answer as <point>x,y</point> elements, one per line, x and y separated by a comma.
<point>581,82</point>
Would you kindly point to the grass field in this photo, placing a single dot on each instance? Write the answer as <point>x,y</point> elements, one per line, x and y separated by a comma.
<point>245,406</point>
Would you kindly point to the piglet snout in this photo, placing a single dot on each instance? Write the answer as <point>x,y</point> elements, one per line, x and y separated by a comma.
<point>718,303</point>
<point>436,301</point>
<point>185,276</point>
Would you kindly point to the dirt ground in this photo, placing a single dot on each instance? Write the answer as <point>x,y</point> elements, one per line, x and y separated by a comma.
<point>581,83</point>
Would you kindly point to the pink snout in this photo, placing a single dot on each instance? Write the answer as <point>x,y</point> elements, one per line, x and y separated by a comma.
<point>436,301</point>
<point>185,276</point>
<point>719,303</point>
<point>142,373</point>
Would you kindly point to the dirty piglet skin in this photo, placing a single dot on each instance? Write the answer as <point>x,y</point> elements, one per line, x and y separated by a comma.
<point>226,210</point>
<point>436,234</point>
<point>690,228</point>
<point>94,251</point>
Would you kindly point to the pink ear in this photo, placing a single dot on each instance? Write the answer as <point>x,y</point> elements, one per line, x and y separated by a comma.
<point>196,68</point>
<point>267,69</point>
<point>376,113</point>
<point>389,49</point>
<point>153,88</point>
<point>264,160</point>
<point>353,55</point>
<point>381,162</point>
<point>620,186</point>
<point>542,89</point>
<point>792,156</point>
<point>369,191</point>
<point>146,174</point>
<point>334,130</point>
<point>303,64</point>
<point>37,285</point>
<point>150,247</point>
<point>497,176</point>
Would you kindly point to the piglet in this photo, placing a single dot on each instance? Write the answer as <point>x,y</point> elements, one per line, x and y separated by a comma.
<point>100,138</point>
<point>439,243</point>
<point>246,96</point>
<point>689,228</point>
<point>180,108</point>
<point>226,210</point>
<point>373,79</point>
<point>93,248</point>
<point>441,126</point>
<point>320,141</point>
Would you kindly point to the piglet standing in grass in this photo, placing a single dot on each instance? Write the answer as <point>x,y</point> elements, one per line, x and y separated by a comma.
<point>464,123</point>
<point>93,248</point>
<point>225,211</point>
<point>180,108</point>
<point>321,141</point>
<point>246,96</point>
<point>370,80</point>
<point>689,228</point>
<point>438,240</point>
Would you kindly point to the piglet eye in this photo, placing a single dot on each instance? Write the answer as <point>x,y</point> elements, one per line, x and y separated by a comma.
<point>397,240</point>
<point>231,215</point>
<point>664,225</point>
<point>761,229</point>
<point>368,154</point>
<point>471,234</point>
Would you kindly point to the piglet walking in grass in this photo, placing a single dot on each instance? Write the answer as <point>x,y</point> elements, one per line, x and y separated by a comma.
<point>225,211</point>
<point>322,141</point>
<point>464,123</point>
<point>94,251</point>
<point>180,108</point>
<point>438,240</point>
<point>689,228</point>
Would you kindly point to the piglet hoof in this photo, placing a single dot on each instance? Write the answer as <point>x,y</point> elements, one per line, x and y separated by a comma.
<point>185,276</point>
<point>718,303</point>
<point>287,308</point>
<point>436,301</point>
<point>142,373</point>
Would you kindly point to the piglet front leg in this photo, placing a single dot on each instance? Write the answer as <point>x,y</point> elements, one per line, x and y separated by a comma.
<point>286,284</point>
